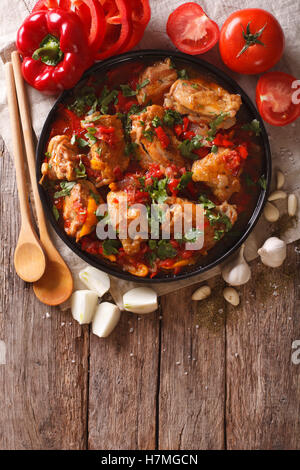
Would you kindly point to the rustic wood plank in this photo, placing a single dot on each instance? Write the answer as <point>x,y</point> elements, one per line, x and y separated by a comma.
<point>43,385</point>
<point>192,380</point>
<point>123,385</point>
<point>263,385</point>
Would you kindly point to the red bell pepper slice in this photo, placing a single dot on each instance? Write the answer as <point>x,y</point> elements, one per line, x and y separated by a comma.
<point>118,28</point>
<point>54,47</point>
<point>140,17</point>
<point>92,16</point>
<point>162,137</point>
<point>45,5</point>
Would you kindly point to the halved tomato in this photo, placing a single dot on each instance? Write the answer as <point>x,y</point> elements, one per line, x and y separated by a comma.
<point>276,98</point>
<point>191,30</point>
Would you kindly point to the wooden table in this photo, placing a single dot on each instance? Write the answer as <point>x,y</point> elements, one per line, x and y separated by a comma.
<point>194,375</point>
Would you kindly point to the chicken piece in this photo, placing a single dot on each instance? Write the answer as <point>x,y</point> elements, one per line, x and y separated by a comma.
<point>120,214</point>
<point>220,171</point>
<point>107,156</point>
<point>161,76</point>
<point>150,149</point>
<point>203,101</point>
<point>79,209</point>
<point>63,161</point>
<point>184,210</point>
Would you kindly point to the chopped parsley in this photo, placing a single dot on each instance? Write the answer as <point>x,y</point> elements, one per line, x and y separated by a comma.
<point>127,91</point>
<point>80,171</point>
<point>187,146</point>
<point>172,117</point>
<point>207,203</point>
<point>214,149</point>
<point>111,247</point>
<point>156,122</point>
<point>84,98</point>
<point>192,235</point>
<point>158,191</point>
<point>215,124</point>
<point>165,250</point>
<point>106,98</point>
<point>183,74</point>
<point>55,212</point>
<point>253,126</point>
<point>143,84</point>
<point>184,180</point>
<point>95,196</point>
<point>130,148</point>
<point>66,187</point>
<point>148,134</point>
<point>263,182</point>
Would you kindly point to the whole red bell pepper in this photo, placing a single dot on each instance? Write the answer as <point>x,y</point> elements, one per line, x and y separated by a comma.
<point>54,46</point>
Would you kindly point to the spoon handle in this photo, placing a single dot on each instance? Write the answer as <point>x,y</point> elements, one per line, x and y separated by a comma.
<point>29,146</point>
<point>18,151</point>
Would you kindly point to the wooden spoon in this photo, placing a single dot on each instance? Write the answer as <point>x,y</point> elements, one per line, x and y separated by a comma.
<point>56,285</point>
<point>29,258</point>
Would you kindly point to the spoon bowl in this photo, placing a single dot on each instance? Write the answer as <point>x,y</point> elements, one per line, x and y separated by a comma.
<point>29,260</point>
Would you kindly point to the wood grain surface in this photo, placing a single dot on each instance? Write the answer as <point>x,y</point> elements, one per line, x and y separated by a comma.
<point>194,375</point>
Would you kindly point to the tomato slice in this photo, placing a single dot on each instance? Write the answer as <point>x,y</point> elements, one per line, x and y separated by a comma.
<point>191,30</point>
<point>277,98</point>
<point>118,27</point>
<point>141,14</point>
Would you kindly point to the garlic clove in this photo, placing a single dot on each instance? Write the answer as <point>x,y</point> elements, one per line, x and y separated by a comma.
<point>201,293</point>
<point>271,212</point>
<point>83,305</point>
<point>140,300</point>
<point>280,178</point>
<point>106,318</point>
<point>237,271</point>
<point>231,296</point>
<point>278,194</point>
<point>95,280</point>
<point>273,252</point>
<point>292,205</point>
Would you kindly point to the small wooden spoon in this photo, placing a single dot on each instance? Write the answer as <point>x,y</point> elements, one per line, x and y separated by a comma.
<point>56,285</point>
<point>29,258</point>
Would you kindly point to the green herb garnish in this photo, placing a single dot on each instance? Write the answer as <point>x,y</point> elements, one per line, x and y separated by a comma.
<point>55,212</point>
<point>253,126</point>
<point>66,187</point>
<point>110,247</point>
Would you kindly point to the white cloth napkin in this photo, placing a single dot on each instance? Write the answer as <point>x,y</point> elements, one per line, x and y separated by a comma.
<point>284,141</point>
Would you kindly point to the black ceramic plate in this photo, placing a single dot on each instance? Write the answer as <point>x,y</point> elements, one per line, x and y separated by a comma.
<point>228,244</point>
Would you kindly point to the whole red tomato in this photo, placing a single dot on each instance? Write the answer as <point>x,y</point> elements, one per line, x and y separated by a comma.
<point>251,41</point>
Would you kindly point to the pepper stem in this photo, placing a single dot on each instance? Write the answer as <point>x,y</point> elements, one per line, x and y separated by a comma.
<point>251,38</point>
<point>49,51</point>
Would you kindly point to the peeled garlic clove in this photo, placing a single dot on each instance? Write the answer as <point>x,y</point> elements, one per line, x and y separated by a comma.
<point>292,205</point>
<point>106,318</point>
<point>273,252</point>
<point>201,293</point>
<point>95,280</point>
<point>280,179</point>
<point>237,271</point>
<point>83,305</point>
<point>271,212</point>
<point>277,195</point>
<point>231,295</point>
<point>140,300</point>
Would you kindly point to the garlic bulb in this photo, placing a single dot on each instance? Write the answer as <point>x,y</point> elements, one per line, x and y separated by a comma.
<point>237,272</point>
<point>273,252</point>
